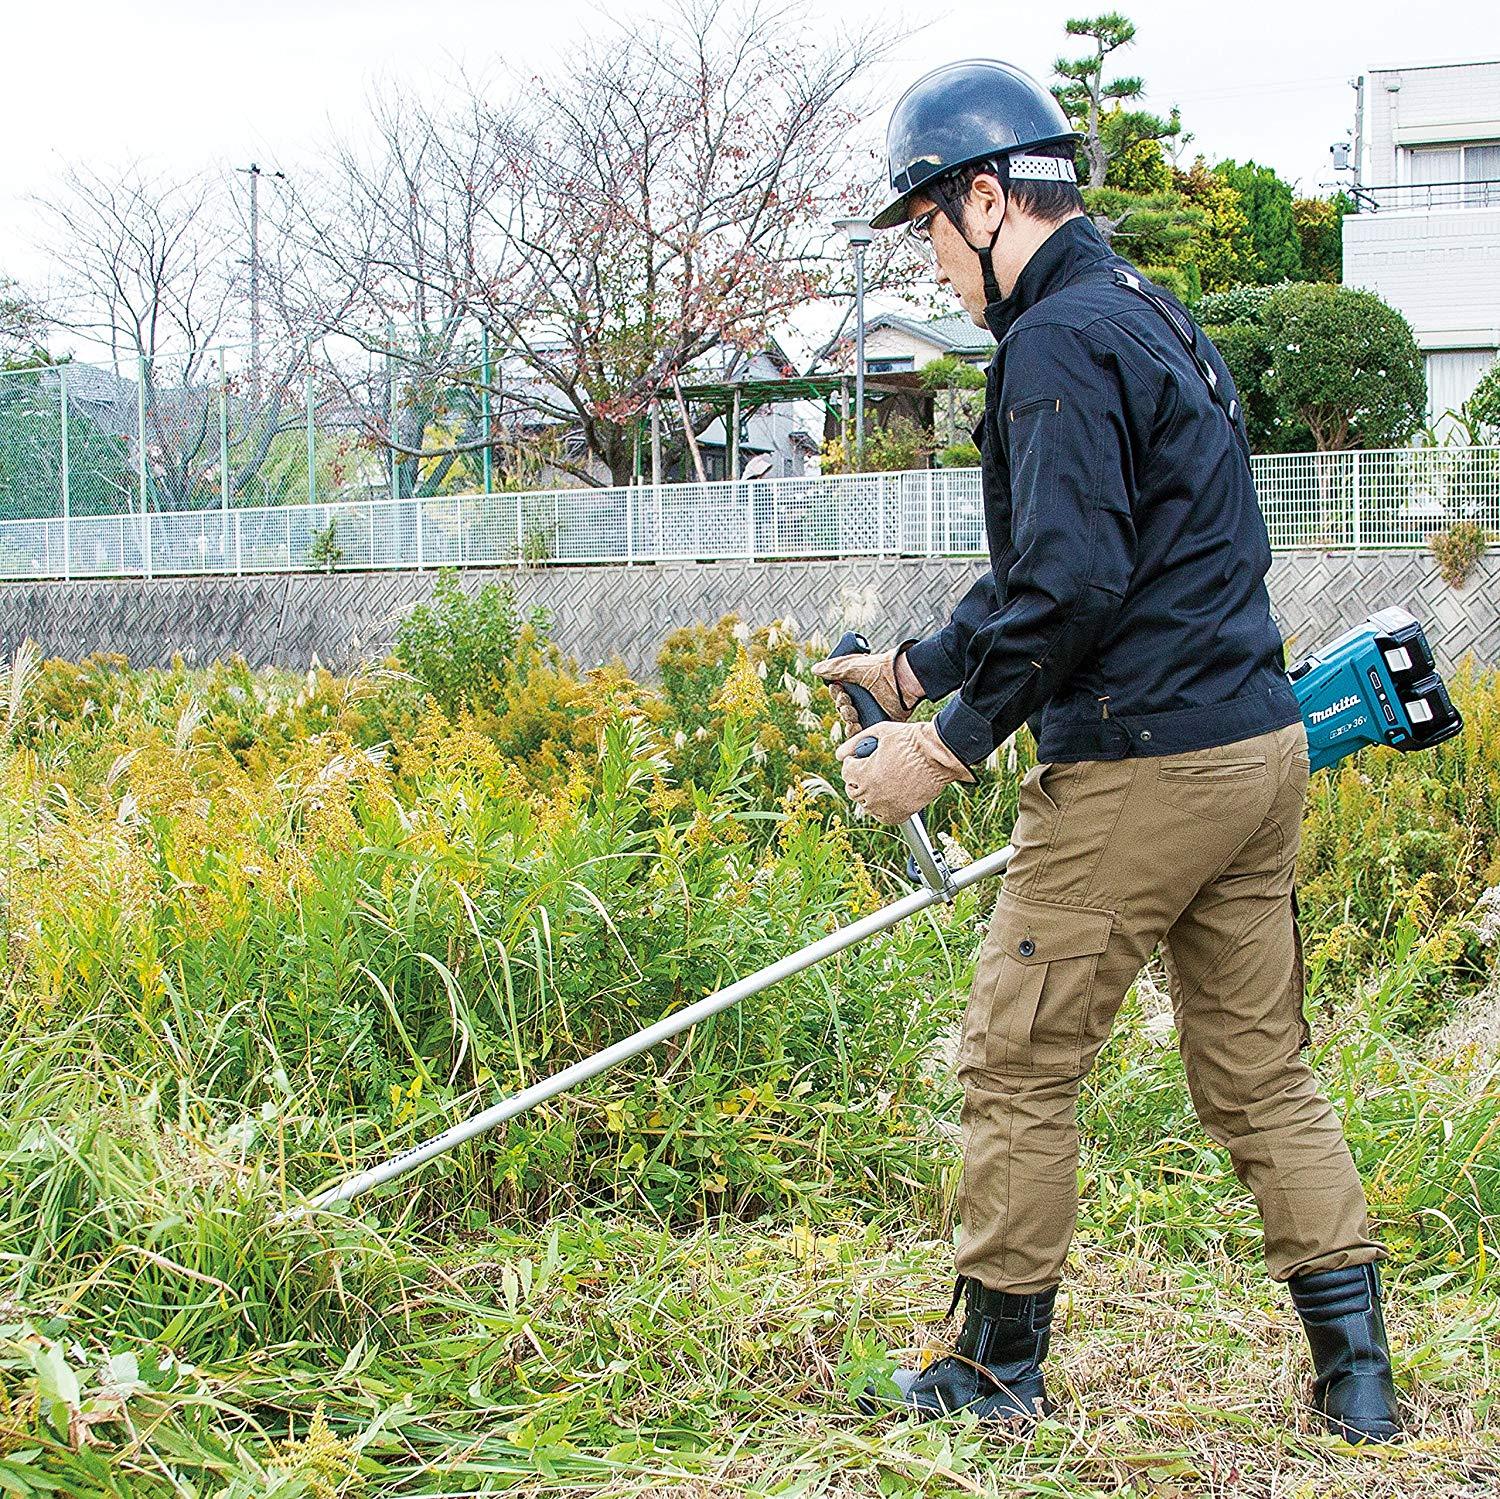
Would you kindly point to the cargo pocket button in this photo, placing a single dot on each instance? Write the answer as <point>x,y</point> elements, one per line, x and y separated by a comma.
<point>1028,947</point>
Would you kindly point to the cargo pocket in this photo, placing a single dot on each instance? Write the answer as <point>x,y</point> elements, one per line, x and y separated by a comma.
<point>1034,988</point>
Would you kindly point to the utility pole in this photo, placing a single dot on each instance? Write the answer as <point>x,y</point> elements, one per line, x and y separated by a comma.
<point>254,173</point>
<point>1359,128</point>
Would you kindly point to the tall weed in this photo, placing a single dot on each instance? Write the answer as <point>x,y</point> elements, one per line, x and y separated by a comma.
<point>261,929</point>
<point>463,647</point>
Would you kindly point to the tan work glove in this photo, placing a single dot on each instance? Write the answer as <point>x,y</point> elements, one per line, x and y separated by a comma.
<point>885,675</point>
<point>906,772</point>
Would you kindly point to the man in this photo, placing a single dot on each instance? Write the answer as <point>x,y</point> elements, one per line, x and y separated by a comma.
<point>1125,616</point>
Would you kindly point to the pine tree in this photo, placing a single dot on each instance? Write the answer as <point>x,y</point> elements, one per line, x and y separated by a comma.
<point>1128,179</point>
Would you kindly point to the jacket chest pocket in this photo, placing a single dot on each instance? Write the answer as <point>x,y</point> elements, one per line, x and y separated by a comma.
<point>1033,993</point>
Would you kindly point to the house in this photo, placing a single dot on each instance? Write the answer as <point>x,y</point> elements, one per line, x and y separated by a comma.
<point>1426,236</point>
<point>896,345</point>
<point>775,438</point>
<point>775,435</point>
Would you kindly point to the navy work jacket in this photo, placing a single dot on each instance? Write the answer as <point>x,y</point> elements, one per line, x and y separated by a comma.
<point>1125,610</point>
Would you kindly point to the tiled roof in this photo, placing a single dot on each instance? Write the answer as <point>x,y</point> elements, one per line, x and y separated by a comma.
<point>953,332</point>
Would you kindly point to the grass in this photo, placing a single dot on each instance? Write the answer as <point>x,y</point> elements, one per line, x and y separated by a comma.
<point>609,1357</point>
<point>259,930</point>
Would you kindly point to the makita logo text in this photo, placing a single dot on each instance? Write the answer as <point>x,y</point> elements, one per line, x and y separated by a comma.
<point>1322,715</point>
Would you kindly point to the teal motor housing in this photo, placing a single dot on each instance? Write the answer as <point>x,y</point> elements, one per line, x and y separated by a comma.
<point>1374,684</point>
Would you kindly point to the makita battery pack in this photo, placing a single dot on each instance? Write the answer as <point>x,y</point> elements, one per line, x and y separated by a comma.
<point>1374,684</point>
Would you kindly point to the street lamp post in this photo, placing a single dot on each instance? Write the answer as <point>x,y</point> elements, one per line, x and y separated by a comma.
<point>859,235</point>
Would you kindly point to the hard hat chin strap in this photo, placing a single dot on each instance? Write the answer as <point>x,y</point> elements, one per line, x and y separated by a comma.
<point>953,208</point>
<point>986,256</point>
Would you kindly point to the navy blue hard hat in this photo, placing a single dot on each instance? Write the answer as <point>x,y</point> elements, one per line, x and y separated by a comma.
<point>961,113</point>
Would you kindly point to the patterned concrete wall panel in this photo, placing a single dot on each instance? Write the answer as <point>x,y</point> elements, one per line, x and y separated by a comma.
<point>146,622</point>
<point>599,613</point>
<point>1317,594</point>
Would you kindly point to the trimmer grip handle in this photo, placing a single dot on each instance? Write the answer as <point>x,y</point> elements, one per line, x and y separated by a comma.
<point>866,709</point>
<point>925,863</point>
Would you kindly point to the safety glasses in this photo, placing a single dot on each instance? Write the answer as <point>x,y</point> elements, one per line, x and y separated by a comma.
<point>920,229</point>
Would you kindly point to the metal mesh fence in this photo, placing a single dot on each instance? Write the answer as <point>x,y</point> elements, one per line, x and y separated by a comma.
<point>923,513</point>
<point>1374,500</point>
<point>234,467</point>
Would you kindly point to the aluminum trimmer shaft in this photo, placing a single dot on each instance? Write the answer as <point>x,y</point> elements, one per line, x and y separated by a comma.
<point>925,864</point>
<point>670,1025</point>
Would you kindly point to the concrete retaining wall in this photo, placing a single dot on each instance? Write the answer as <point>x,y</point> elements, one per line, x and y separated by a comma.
<point>602,612</point>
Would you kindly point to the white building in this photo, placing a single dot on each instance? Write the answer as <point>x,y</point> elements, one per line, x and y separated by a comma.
<point>896,345</point>
<point>1426,237</point>
<point>777,434</point>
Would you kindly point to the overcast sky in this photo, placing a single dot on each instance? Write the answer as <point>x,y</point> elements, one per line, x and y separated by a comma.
<point>193,84</point>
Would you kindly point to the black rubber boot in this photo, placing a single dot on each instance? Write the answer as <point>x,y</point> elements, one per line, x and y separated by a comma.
<point>1353,1390</point>
<point>995,1369</point>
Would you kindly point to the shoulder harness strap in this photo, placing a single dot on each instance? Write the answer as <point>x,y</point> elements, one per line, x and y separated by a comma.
<point>1188,338</point>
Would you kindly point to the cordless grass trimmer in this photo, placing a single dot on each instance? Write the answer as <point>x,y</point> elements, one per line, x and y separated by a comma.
<point>1375,684</point>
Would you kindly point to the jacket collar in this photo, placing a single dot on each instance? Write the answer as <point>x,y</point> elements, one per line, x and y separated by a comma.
<point>1066,253</point>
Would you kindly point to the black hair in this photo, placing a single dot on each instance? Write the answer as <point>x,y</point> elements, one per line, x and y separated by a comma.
<point>1051,202</point>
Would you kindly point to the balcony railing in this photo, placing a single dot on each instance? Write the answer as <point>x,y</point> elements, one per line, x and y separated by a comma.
<point>1429,195</point>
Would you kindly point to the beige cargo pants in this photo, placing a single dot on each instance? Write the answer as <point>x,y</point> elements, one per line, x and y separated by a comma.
<point>1196,853</point>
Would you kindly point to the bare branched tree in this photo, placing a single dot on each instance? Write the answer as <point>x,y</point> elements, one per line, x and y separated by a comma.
<point>151,269</point>
<point>667,203</point>
<point>647,219</point>
<point>144,262</point>
<point>384,255</point>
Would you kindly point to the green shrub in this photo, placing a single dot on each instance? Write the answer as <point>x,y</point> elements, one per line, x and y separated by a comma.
<point>1237,306</point>
<point>1234,320</point>
<point>325,551</point>
<point>463,647</point>
<point>959,455</point>
<point>1318,366</point>
<point>1246,349</point>
<point>1483,407</point>
<point>889,446</point>
<point>1345,363</point>
<point>1458,550</point>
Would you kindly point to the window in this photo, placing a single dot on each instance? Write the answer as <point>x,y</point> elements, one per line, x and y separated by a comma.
<point>889,366</point>
<point>1447,176</point>
<point>1451,378</point>
<point>1436,164</point>
<point>1482,176</point>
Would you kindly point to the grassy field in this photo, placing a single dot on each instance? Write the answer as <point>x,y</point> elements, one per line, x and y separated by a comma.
<point>262,929</point>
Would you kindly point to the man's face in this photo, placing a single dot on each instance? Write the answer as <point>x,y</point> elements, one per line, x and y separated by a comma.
<point>957,266</point>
